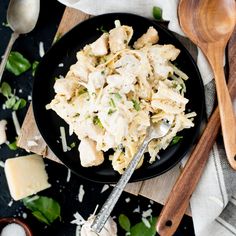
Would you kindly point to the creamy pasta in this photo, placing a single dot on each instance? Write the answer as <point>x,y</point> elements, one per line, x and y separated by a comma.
<point>113,91</point>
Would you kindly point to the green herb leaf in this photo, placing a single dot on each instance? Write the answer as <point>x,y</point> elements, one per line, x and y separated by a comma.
<point>6,24</point>
<point>10,102</point>
<point>17,64</point>
<point>34,67</point>
<point>96,121</point>
<point>13,146</point>
<point>124,222</point>
<point>40,217</point>
<point>102,29</point>
<point>43,208</point>
<point>176,140</point>
<point>82,91</point>
<point>73,145</point>
<point>157,13</point>
<point>141,228</point>
<point>19,104</point>
<point>136,105</point>
<point>117,95</point>
<point>5,89</point>
<point>111,111</point>
<point>112,103</point>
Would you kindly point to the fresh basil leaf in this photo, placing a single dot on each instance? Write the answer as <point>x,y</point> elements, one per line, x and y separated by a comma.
<point>136,105</point>
<point>40,217</point>
<point>48,208</point>
<point>34,67</point>
<point>141,229</point>
<point>13,146</point>
<point>124,222</point>
<point>176,140</point>
<point>10,102</point>
<point>157,13</point>
<point>20,103</point>
<point>17,64</point>
<point>5,89</point>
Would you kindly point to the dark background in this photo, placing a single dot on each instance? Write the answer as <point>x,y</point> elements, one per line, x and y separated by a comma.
<point>66,193</point>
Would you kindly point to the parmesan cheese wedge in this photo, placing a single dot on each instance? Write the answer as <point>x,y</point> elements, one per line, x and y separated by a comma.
<point>26,175</point>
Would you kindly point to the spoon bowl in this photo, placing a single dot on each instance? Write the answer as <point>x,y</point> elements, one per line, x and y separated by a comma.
<point>209,24</point>
<point>22,16</point>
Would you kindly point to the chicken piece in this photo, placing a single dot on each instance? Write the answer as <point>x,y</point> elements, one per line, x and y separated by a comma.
<point>3,136</point>
<point>159,56</point>
<point>96,80</point>
<point>167,51</point>
<point>110,228</point>
<point>83,66</point>
<point>65,87</point>
<point>100,46</point>
<point>89,156</point>
<point>124,83</point>
<point>119,38</point>
<point>86,128</point>
<point>150,37</point>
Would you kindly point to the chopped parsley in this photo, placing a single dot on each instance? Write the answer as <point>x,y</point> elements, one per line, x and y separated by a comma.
<point>34,67</point>
<point>96,121</point>
<point>111,111</point>
<point>117,95</point>
<point>72,145</point>
<point>102,29</point>
<point>136,105</point>
<point>112,103</point>
<point>12,146</point>
<point>176,140</point>
<point>82,91</point>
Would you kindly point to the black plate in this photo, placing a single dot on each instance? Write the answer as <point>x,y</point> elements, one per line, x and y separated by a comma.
<point>64,51</point>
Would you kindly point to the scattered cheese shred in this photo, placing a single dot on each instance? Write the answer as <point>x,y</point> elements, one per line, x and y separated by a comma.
<point>16,123</point>
<point>63,139</point>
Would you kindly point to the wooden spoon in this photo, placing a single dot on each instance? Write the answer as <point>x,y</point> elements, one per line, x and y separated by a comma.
<point>209,24</point>
<point>178,200</point>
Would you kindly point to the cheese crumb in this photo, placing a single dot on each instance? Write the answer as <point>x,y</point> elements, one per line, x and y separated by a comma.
<point>3,136</point>
<point>81,193</point>
<point>41,49</point>
<point>68,175</point>
<point>104,188</point>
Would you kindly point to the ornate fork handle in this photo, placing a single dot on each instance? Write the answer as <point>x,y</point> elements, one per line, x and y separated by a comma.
<point>108,206</point>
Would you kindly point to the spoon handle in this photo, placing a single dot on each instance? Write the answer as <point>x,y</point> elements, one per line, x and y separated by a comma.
<point>178,200</point>
<point>227,116</point>
<point>114,196</point>
<point>13,38</point>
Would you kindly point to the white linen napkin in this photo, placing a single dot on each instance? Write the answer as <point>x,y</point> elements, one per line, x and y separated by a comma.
<point>213,203</point>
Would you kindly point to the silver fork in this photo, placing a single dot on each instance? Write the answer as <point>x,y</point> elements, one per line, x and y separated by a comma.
<point>156,130</point>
